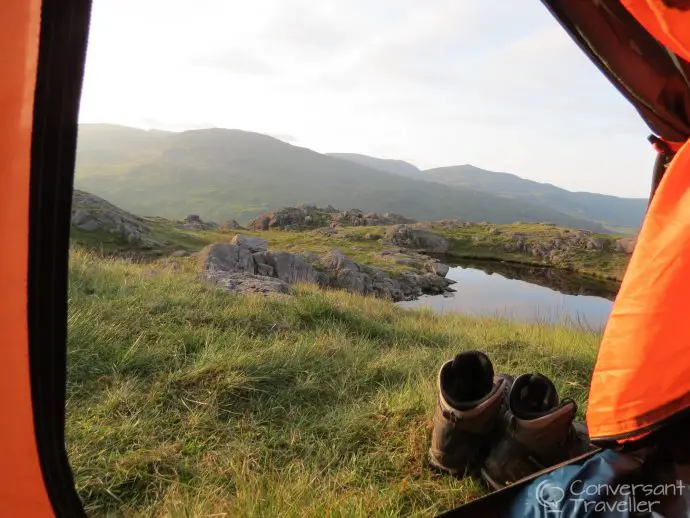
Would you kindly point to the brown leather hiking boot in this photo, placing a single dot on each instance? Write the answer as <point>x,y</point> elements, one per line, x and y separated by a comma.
<point>538,432</point>
<point>471,402</point>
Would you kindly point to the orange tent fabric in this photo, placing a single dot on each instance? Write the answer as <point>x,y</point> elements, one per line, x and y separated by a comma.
<point>642,374</point>
<point>22,491</point>
<point>667,20</point>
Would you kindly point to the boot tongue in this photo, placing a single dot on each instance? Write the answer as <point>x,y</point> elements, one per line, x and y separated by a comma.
<point>469,378</point>
<point>533,396</point>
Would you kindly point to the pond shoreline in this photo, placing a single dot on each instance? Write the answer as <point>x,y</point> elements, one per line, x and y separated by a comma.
<point>451,257</point>
<point>524,292</point>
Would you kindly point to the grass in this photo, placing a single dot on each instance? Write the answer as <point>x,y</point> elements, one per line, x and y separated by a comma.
<point>184,400</point>
<point>362,245</point>
<point>477,242</point>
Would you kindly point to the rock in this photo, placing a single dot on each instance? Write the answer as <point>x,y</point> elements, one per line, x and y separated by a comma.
<point>595,243</point>
<point>219,260</point>
<point>255,244</point>
<point>372,236</point>
<point>625,245</point>
<point>311,217</point>
<point>310,257</point>
<point>91,213</point>
<point>226,258</point>
<point>342,272</point>
<point>230,225</point>
<point>179,253</point>
<point>494,231</point>
<point>245,283</point>
<point>265,269</point>
<point>402,235</point>
<point>440,269</point>
<point>235,267</point>
<point>90,225</point>
<point>540,252</point>
<point>194,222</point>
<point>287,267</point>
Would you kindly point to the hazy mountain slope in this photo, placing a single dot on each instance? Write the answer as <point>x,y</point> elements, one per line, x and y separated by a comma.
<point>399,167</point>
<point>222,174</point>
<point>610,210</point>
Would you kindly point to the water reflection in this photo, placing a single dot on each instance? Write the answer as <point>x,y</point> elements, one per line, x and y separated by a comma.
<point>525,293</point>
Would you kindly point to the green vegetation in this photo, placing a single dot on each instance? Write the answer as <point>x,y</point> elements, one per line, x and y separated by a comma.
<point>362,244</point>
<point>617,214</point>
<point>184,400</point>
<point>493,242</point>
<point>229,174</point>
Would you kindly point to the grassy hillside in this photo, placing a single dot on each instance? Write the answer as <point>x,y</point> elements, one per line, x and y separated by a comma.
<point>485,242</point>
<point>613,212</point>
<point>184,400</point>
<point>399,167</point>
<point>364,245</point>
<point>223,174</point>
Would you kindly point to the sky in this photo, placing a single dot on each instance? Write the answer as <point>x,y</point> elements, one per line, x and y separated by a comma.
<point>498,84</point>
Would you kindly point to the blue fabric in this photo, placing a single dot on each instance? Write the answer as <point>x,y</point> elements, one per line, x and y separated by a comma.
<point>607,485</point>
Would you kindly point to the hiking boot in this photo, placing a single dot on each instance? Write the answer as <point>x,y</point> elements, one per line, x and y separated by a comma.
<point>538,432</point>
<point>471,402</point>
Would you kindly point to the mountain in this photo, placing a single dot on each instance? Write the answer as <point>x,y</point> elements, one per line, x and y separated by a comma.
<point>611,211</point>
<point>399,167</point>
<point>230,174</point>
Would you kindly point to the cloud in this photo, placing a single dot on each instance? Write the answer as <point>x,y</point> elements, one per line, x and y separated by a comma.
<point>496,83</point>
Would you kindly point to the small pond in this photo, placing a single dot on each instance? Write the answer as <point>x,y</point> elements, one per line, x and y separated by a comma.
<point>524,293</point>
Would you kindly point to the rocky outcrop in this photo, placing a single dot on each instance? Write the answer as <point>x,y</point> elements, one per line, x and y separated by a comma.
<point>312,217</point>
<point>255,244</point>
<point>625,245</point>
<point>417,238</point>
<point>93,214</point>
<point>230,225</point>
<point>245,267</point>
<point>239,268</point>
<point>194,222</point>
<point>342,272</point>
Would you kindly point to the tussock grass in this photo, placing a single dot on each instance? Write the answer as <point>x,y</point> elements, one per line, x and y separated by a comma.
<point>184,400</point>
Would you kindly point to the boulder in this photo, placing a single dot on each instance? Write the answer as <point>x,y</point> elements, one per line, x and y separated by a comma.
<point>403,235</point>
<point>287,267</point>
<point>440,269</point>
<point>311,216</point>
<point>179,253</point>
<point>342,272</point>
<point>595,243</point>
<point>226,258</point>
<point>229,225</point>
<point>625,245</point>
<point>91,213</point>
<point>255,244</point>
<point>194,222</point>
<point>246,283</point>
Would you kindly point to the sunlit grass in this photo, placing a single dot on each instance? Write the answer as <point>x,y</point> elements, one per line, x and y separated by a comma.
<point>184,400</point>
